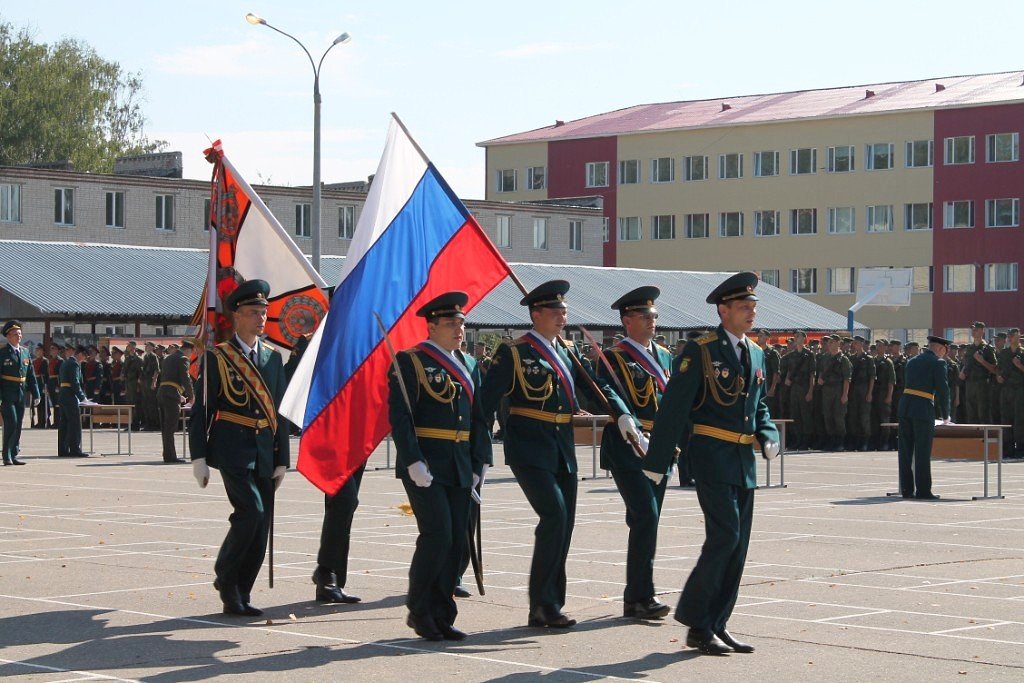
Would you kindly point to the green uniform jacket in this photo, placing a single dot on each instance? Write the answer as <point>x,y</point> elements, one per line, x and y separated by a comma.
<point>174,370</point>
<point>925,372</point>
<point>71,379</point>
<point>150,369</point>
<point>1010,373</point>
<point>642,397</point>
<point>132,370</point>
<point>974,370</point>
<point>17,375</point>
<point>703,392</point>
<point>530,442</point>
<point>836,369</point>
<point>227,445</point>
<point>439,401</point>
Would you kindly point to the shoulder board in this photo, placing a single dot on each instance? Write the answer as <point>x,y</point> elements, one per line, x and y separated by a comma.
<point>707,338</point>
<point>520,341</point>
<point>753,343</point>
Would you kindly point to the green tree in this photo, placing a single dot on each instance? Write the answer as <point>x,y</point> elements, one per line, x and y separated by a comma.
<point>64,102</point>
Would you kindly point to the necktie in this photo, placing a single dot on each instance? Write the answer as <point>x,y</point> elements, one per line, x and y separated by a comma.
<point>744,359</point>
<point>252,356</point>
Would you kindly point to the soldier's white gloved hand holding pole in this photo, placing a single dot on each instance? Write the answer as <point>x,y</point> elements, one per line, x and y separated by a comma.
<point>419,474</point>
<point>278,476</point>
<point>201,471</point>
<point>770,449</point>
<point>478,479</point>
<point>628,428</point>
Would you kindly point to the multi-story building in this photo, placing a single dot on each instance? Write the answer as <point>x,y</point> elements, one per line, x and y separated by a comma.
<point>807,188</point>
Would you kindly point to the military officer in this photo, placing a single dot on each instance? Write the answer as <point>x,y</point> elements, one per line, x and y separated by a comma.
<point>881,399</point>
<point>835,394</point>
<point>17,379</point>
<point>41,418</point>
<point>926,392</point>
<point>444,448</point>
<point>800,380</point>
<point>132,373</point>
<point>150,375</point>
<point>862,383</point>
<point>174,388</point>
<point>541,374</point>
<point>235,428</point>
<point>979,365</point>
<point>719,389</point>
<point>642,368</point>
<point>1011,394</point>
<point>72,391</point>
<point>772,373</point>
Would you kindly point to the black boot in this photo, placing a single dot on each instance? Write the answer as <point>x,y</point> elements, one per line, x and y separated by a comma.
<point>328,590</point>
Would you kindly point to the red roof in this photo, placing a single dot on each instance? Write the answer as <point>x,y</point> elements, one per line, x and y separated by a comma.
<point>859,100</point>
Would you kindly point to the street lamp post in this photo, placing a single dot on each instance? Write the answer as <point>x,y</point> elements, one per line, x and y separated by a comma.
<point>343,38</point>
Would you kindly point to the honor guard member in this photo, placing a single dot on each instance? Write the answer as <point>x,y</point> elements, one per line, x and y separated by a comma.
<point>642,368</point>
<point>444,449</point>
<point>150,374</point>
<point>72,392</point>
<point>132,373</point>
<point>541,381</point>
<point>17,378</point>
<point>719,388</point>
<point>173,390</point>
<point>862,384</point>
<point>979,364</point>
<point>926,393</point>
<point>800,380</point>
<point>881,398</point>
<point>1011,394</point>
<point>235,428</point>
<point>835,394</point>
<point>772,359</point>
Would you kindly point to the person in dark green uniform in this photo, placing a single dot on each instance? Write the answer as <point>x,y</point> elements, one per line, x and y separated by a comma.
<point>444,450</point>
<point>926,392</point>
<point>995,387</point>
<point>17,379</point>
<point>979,365</point>
<point>862,383</point>
<point>800,380</point>
<point>540,379</point>
<point>772,359</point>
<point>899,365</point>
<point>719,388</point>
<point>642,368</point>
<point>72,392</point>
<point>1011,394</point>
<point>235,428</point>
<point>835,393</point>
<point>881,400</point>
<point>150,375</point>
<point>173,389</point>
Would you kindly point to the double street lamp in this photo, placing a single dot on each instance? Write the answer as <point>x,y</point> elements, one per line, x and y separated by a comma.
<point>343,38</point>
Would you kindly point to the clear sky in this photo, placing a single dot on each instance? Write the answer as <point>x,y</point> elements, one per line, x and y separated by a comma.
<point>460,72</point>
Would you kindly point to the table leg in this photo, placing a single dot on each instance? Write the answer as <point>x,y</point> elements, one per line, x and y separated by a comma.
<point>130,409</point>
<point>91,446</point>
<point>999,466</point>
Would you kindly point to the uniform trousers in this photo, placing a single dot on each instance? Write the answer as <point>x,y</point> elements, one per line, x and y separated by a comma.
<point>552,495</point>
<point>976,408</point>
<point>242,552</point>
<point>643,499</point>
<point>69,434</point>
<point>834,410</point>
<point>1011,412</point>
<point>915,455</point>
<point>13,413</point>
<point>336,531</point>
<point>169,404</point>
<point>801,411</point>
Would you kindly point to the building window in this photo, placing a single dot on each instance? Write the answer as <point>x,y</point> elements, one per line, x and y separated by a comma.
<point>506,180</point>
<point>842,220</point>
<point>629,229</point>
<point>766,164</point>
<point>597,174</point>
<point>960,150</point>
<point>303,220</point>
<point>115,209</point>
<point>803,222</point>
<point>959,214</point>
<point>346,222</point>
<point>606,229</point>
<point>663,170</point>
<point>575,235</point>
<point>804,280</point>
<point>730,224</point>
<point>697,225</point>
<point>766,223</point>
<point>730,166</point>
<point>879,156</point>
<point>920,153</point>
<point>880,218</point>
<point>840,280</point>
<point>770,277</point>
<point>958,278</point>
<point>663,227</point>
<point>165,212</point>
<point>1002,147</point>
<point>504,231</point>
<point>803,161</point>
<point>629,172</point>
<point>917,216</point>
<point>924,279</point>
<point>1000,277</point>
<point>64,206</point>
<point>536,178</point>
<point>840,159</point>
<point>1002,213</point>
<point>695,168</point>
<point>10,203</point>
<point>540,233</point>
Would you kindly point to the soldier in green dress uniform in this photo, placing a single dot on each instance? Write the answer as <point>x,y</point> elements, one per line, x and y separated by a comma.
<point>17,379</point>
<point>835,394</point>
<point>72,391</point>
<point>173,389</point>
<point>540,379</point>
<point>881,400</point>
<point>978,366</point>
<point>800,380</point>
<point>719,389</point>
<point>444,450</point>
<point>925,394</point>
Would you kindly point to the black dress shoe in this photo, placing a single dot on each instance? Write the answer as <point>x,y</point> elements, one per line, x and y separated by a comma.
<point>78,455</point>
<point>549,617</point>
<point>688,484</point>
<point>927,496</point>
<point>231,599</point>
<point>327,589</point>
<point>449,631</point>
<point>7,462</point>
<point>461,592</point>
<point>15,461</point>
<point>736,645</point>
<point>648,609</point>
<point>708,643</point>
<point>425,627</point>
<point>248,609</point>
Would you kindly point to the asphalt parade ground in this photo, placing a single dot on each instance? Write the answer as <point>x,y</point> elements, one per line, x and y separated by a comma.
<point>106,567</point>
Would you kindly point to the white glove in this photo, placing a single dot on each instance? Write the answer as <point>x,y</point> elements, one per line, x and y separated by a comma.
<point>654,476</point>
<point>478,479</point>
<point>35,403</point>
<point>278,476</point>
<point>770,449</point>
<point>419,474</point>
<point>483,473</point>
<point>628,428</point>
<point>644,442</point>
<point>201,471</point>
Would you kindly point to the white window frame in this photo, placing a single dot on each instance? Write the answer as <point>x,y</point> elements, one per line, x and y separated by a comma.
<point>908,216</point>
<point>503,231</point>
<point>64,206</point>
<point>992,211</point>
<point>663,227</point>
<point>346,222</point>
<point>992,277</point>
<point>926,274</point>
<point>966,270</point>
<point>850,276</point>
<point>759,223</point>
<point>949,214</point>
<point>502,180</point>
<point>910,149</point>
<point>872,149</point>
<point>794,221</point>
<point>759,164</point>
<point>663,170</point>
<point>303,220</point>
<point>795,276</point>
<point>630,231</point>
<point>164,206</point>
<point>794,160</point>
<point>594,172</point>
<point>833,158</point>
<point>990,148</point>
<point>723,221</point>
<point>531,178</point>
<point>540,233</point>
<point>606,224</point>
<point>770,276</point>
<point>629,172</point>
<point>688,169</point>
<point>950,150</point>
<point>689,220</point>
<point>10,203</point>
<point>723,165</point>
<point>113,209</point>
<point>835,213</point>
<point>879,215</point>
<point>575,235</point>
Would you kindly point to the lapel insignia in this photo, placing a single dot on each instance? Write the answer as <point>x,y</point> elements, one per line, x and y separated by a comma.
<point>430,371</point>
<point>759,374</point>
<point>725,373</point>
<point>716,363</point>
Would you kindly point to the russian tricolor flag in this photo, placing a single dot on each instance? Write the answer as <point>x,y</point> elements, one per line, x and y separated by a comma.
<point>414,241</point>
